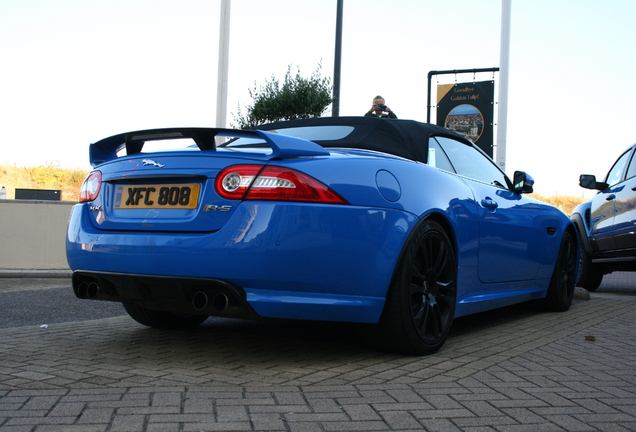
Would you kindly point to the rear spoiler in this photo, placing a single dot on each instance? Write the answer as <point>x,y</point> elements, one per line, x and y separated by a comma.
<point>283,146</point>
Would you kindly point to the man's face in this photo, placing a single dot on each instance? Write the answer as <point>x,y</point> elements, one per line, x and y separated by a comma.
<point>378,102</point>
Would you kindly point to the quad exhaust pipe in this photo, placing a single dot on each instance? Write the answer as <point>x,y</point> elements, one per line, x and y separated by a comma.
<point>219,301</point>
<point>88,290</point>
<point>201,300</point>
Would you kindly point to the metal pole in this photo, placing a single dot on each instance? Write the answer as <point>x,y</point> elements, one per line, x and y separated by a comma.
<point>504,72</point>
<point>335,107</point>
<point>428,93</point>
<point>224,49</point>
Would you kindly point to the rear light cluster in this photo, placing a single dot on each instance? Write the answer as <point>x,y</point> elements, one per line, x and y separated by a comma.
<point>255,182</point>
<point>91,186</point>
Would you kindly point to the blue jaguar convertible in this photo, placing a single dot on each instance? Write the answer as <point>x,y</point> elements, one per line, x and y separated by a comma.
<point>397,223</point>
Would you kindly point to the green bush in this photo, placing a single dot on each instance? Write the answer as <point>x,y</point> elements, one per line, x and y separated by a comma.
<point>298,98</point>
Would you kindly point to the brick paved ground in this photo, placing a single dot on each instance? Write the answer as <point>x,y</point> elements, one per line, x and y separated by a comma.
<point>513,370</point>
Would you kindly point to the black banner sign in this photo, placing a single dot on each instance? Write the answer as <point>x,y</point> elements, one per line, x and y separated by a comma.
<point>467,109</point>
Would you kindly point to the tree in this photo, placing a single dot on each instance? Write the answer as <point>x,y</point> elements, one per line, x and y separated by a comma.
<point>298,98</point>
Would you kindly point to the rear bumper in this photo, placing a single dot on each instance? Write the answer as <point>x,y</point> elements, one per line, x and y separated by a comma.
<point>292,260</point>
<point>178,295</point>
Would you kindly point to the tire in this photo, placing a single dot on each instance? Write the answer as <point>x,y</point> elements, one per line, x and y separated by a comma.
<point>590,277</point>
<point>421,299</point>
<point>162,319</point>
<point>561,289</point>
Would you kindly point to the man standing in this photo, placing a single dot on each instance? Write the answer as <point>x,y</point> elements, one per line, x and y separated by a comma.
<point>379,109</point>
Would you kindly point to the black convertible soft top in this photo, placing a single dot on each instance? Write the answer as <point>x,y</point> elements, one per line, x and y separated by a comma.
<point>404,138</point>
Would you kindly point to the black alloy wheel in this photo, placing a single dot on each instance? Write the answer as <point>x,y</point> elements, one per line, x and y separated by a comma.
<point>590,277</point>
<point>421,301</point>
<point>561,290</point>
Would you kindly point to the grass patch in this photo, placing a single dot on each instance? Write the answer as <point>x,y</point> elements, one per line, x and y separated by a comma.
<point>564,203</point>
<point>68,181</point>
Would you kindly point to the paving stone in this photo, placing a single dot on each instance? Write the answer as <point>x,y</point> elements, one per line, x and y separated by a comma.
<point>520,371</point>
<point>446,425</point>
<point>127,423</point>
<point>71,428</point>
<point>65,409</point>
<point>361,412</point>
<point>400,420</point>
<point>232,414</point>
<point>167,427</point>
<point>304,427</point>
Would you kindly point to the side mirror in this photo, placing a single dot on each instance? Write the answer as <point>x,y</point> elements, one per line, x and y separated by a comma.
<point>522,182</point>
<point>588,181</point>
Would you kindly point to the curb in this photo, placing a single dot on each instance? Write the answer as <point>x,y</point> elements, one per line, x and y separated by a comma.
<point>18,273</point>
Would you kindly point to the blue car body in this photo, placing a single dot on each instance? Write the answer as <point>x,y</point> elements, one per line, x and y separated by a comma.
<point>310,260</point>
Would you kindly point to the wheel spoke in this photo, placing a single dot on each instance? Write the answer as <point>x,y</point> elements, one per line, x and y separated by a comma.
<point>421,317</point>
<point>445,300</point>
<point>431,298</point>
<point>431,325</point>
<point>448,284</point>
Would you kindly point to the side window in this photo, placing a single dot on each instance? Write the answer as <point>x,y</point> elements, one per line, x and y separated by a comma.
<point>437,158</point>
<point>469,162</point>
<point>631,170</point>
<point>616,173</point>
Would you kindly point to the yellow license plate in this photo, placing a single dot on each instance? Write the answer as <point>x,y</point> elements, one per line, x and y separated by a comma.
<point>156,196</point>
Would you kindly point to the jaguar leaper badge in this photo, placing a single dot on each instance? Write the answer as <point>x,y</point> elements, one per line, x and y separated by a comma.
<point>153,163</point>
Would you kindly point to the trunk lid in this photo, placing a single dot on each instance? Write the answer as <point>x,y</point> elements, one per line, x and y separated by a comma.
<point>174,191</point>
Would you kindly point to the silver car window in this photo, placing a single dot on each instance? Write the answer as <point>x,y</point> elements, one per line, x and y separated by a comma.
<point>631,170</point>
<point>615,175</point>
<point>471,163</point>
<point>437,158</point>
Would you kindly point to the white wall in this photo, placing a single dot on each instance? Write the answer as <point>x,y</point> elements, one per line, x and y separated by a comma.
<point>32,234</point>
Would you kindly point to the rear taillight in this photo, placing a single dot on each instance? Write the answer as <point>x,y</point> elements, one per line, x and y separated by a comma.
<point>255,182</point>
<point>91,186</point>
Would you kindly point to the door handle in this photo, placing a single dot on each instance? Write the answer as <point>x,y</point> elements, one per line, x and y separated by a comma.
<point>489,203</point>
<point>610,197</point>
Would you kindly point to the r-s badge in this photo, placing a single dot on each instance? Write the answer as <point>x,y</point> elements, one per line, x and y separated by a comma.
<point>212,207</point>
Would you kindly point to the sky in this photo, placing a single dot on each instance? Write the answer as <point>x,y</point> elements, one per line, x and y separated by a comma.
<point>73,71</point>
